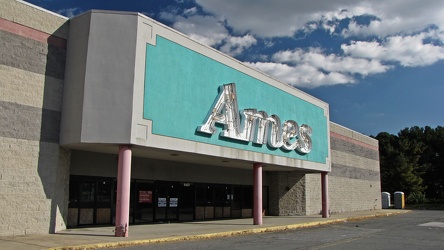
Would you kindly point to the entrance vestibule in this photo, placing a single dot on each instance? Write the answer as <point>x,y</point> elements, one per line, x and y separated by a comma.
<point>92,201</point>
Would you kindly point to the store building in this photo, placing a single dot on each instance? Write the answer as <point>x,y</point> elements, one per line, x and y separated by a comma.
<point>111,118</point>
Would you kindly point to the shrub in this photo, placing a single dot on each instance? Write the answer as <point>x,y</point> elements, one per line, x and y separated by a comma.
<point>416,198</point>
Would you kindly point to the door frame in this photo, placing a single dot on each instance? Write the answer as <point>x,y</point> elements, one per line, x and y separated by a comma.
<point>169,192</point>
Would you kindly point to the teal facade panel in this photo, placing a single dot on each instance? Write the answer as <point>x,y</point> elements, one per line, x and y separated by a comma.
<point>181,86</point>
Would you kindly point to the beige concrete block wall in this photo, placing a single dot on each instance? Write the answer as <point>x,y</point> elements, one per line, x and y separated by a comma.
<point>313,194</point>
<point>34,170</point>
<point>34,17</point>
<point>287,193</point>
<point>354,182</point>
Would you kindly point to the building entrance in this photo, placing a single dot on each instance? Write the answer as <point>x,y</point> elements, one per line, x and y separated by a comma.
<point>92,201</point>
<point>166,207</point>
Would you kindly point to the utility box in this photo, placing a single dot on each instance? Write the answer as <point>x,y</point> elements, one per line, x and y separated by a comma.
<point>385,200</point>
<point>399,200</point>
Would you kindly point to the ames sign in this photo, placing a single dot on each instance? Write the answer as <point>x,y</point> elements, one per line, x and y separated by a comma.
<point>254,126</point>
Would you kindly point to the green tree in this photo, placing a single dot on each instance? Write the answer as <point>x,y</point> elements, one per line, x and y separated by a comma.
<point>434,157</point>
<point>399,159</point>
<point>387,160</point>
<point>413,161</point>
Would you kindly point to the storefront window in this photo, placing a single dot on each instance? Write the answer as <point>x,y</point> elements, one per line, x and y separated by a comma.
<point>221,195</point>
<point>104,191</point>
<point>73,193</point>
<point>247,197</point>
<point>92,201</point>
<point>237,197</point>
<point>87,190</point>
<point>200,195</point>
<point>209,195</point>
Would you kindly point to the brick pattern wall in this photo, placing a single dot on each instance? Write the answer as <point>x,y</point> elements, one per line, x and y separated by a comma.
<point>34,170</point>
<point>287,193</point>
<point>354,182</point>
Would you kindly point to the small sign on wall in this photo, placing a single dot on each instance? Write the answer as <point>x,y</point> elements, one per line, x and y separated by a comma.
<point>145,196</point>
<point>161,202</point>
<point>173,202</point>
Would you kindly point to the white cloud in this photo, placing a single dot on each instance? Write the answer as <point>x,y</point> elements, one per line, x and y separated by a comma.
<point>436,34</point>
<point>167,16</point>
<point>311,68</point>
<point>235,45</point>
<point>209,30</point>
<point>205,29</point>
<point>401,29</point>
<point>400,17</point>
<point>265,18</point>
<point>70,12</point>
<point>303,75</point>
<point>284,17</point>
<point>190,11</point>
<point>331,62</point>
<point>409,51</point>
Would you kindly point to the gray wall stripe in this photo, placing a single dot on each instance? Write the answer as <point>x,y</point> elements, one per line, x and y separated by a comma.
<point>30,55</point>
<point>29,123</point>
<point>354,173</point>
<point>348,147</point>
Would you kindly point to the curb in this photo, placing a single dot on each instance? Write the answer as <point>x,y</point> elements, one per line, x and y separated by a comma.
<point>226,234</point>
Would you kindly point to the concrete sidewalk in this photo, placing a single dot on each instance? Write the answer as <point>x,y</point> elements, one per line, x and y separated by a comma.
<point>100,237</point>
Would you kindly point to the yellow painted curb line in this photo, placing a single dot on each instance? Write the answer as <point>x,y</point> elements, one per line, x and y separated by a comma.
<point>226,234</point>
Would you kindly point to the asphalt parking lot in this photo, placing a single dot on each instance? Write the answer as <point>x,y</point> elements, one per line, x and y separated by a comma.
<point>419,229</point>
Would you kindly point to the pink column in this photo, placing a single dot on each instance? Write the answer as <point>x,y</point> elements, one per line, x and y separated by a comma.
<point>123,191</point>
<point>257,187</point>
<point>324,187</point>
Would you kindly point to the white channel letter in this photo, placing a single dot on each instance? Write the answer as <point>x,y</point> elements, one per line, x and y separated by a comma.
<point>274,139</point>
<point>262,127</point>
<point>225,112</point>
<point>248,124</point>
<point>216,114</point>
<point>231,113</point>
<point>304,139</point>
<point>290,130</point>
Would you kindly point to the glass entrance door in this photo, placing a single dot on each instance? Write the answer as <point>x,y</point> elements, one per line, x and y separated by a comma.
<point>87,196</point>
<point>166,201</point>
<point>186,205</point>
<point>90,201</point>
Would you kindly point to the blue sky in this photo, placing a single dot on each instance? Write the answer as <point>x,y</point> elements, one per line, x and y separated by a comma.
<point>379,64</point>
